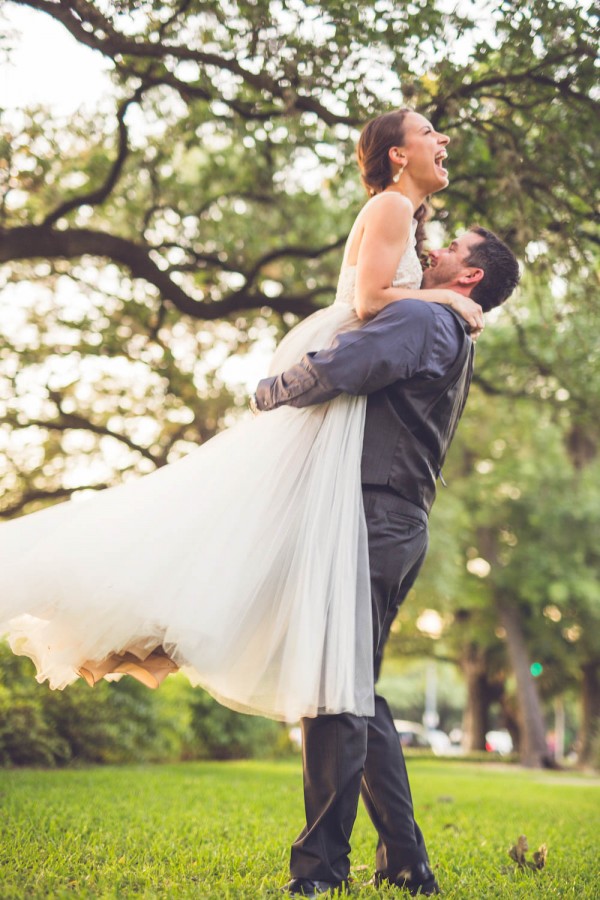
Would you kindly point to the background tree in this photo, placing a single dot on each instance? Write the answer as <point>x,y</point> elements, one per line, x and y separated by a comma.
<point>207,212</point>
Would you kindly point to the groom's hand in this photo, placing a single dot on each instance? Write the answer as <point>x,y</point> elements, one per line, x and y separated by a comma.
<point>253,405</point>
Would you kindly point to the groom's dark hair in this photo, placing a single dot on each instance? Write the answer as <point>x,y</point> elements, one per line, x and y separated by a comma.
<point>500,269</point>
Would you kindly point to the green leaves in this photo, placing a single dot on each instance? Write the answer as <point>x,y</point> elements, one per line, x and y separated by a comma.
<point>207,205</point>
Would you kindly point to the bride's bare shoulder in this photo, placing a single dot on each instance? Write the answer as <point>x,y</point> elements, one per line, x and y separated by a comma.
<point>384,215</point>
<point>388,203</point>
<point>388,207</point>
<point>387,215</point>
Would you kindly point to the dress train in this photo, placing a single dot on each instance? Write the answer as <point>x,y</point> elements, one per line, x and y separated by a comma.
<point>245,564</point>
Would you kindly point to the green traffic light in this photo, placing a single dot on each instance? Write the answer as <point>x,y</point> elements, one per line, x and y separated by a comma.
<point>536,669</point>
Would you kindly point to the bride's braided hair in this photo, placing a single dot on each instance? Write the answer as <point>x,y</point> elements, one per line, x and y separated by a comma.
<point>374,143</point>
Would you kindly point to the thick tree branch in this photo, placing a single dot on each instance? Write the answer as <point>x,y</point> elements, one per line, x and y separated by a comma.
<point>32,241</point>
<point>496,390</point>
<point>297,252</point>
<point>98,196</point>
<point>190,91</point>
<point>35,496</point>
<point>532,76</point>
<point>74,422</point>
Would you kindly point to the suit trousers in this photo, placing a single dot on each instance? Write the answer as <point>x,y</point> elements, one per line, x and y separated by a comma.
<point>345,755</point>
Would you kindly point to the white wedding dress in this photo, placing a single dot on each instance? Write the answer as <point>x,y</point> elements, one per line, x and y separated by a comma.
<point>245,564</point>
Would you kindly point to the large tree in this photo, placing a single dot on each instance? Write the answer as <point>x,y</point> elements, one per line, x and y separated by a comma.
<point>228,116</point>
<point>208,209</point>
<point>232,99</point>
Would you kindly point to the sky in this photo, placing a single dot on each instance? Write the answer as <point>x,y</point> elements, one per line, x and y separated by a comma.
<point>73,75</point>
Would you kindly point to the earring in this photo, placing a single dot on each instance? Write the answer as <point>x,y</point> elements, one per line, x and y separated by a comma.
<point>396,177</point>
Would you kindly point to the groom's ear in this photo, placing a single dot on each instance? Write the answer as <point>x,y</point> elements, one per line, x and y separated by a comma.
<point>471,276</point>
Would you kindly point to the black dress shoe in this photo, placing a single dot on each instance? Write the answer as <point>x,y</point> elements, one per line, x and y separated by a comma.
<point>418,880</point>
<point>305,887</point>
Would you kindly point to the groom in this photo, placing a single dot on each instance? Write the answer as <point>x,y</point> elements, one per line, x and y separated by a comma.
<point>414,360</point>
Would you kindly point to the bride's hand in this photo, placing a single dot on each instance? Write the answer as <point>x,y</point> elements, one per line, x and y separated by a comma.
<point>468,309</point>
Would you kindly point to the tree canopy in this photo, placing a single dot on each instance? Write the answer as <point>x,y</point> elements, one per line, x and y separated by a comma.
<point>202,209</point>
<point>220,106</point>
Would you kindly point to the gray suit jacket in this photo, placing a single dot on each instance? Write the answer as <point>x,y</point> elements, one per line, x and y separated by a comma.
<point>414,360</point>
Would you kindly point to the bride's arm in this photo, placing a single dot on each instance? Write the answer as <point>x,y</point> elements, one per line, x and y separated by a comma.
<point>386,231</point>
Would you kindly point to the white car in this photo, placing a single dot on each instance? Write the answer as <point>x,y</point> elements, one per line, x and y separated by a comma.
<point>412,734</point>
<point>499,742</point>
<point>441,743</point>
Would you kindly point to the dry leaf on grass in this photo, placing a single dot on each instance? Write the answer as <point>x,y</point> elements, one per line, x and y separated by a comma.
<point>518,853</point>
<point>518,850</point>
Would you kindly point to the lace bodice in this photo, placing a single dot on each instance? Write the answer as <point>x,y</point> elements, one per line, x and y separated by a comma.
<point>409,273</point>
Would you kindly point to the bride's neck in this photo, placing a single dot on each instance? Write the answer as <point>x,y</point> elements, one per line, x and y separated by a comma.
<point>409,190</point>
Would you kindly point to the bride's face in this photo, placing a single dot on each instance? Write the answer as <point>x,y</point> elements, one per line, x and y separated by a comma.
<point>423,153</point>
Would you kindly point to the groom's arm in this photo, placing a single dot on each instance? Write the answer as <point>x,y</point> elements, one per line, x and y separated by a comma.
<point>406,339</point>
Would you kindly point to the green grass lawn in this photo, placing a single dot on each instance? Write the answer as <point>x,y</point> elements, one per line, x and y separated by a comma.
<point>218,830</point>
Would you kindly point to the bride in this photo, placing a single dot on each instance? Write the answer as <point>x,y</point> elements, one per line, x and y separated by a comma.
<point>244,564</point>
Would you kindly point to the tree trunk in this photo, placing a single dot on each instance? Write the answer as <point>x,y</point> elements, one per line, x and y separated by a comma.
<point>481,693</point>
<point>533,748</point>
<point>511,720</point>
<point>476,715</point>
<point>590,709</point>
<point>582,446</point>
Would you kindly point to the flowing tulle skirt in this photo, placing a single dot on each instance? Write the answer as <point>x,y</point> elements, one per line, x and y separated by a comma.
<point>245,563</point>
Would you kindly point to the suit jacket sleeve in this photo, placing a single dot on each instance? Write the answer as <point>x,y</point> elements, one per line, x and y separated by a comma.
<point>395,345</point>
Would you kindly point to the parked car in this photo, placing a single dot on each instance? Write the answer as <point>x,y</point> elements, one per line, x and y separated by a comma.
<point>499,742</point>
<point>412,734</point>
<point>441,743</point>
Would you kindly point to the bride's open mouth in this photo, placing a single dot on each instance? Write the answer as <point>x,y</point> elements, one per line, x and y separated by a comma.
<point>439,157</point>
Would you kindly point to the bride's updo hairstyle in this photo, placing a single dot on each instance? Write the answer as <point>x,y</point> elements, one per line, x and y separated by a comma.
<point>375,166</point>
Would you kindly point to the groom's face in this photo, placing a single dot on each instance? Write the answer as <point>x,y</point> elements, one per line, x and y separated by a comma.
<point>449,264</point>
